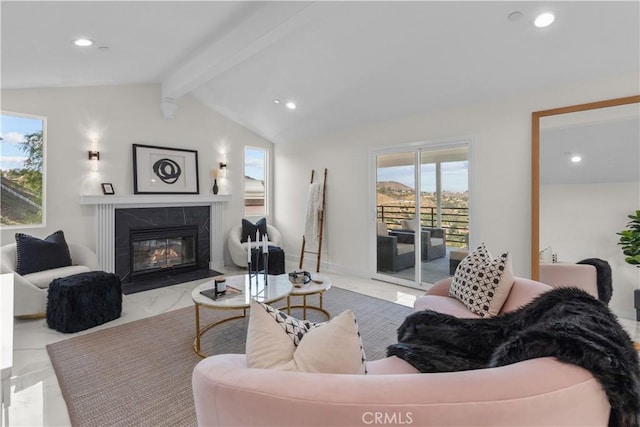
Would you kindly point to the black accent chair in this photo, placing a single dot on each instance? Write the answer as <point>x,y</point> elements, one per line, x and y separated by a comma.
<point>395,251</point>
<point>430,250</point>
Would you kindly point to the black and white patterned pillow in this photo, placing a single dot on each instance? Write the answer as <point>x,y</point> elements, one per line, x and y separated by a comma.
<point>334,346</point>
<point>483,283</point>
<point>294,328</point>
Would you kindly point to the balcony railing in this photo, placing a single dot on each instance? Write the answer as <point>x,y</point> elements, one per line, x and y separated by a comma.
<point>455,220</point>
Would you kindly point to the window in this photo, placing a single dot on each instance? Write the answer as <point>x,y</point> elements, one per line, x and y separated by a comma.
<point>22,161</point>
<point>255,181</point>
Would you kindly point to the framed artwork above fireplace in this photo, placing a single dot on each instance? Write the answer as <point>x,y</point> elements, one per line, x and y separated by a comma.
<point>163,170</point>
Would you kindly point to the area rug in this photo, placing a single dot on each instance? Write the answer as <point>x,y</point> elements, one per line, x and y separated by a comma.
<point>139,373</point>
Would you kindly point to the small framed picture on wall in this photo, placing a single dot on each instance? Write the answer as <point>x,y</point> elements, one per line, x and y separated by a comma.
<point>107,188</point>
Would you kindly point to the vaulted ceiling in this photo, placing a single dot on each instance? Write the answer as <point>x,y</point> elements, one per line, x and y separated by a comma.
<point>343,63</point>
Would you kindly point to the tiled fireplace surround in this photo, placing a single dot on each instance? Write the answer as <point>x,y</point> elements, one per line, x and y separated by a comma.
<point>160,210</point>
<point>130,219</point>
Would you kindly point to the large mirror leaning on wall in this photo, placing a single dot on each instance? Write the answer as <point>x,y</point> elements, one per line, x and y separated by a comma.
<point>585,181</point>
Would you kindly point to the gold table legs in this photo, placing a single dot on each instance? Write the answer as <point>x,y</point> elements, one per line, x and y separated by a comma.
<point>305,306</point>
<point>199,332</point>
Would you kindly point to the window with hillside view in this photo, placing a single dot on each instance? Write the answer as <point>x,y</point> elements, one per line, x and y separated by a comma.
<point>22,163</point>
<point>255,181</point>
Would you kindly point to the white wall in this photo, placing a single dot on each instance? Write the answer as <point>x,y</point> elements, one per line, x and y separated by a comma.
<point>581,221</point>
<point>500,174</point>
<point>121,116</point>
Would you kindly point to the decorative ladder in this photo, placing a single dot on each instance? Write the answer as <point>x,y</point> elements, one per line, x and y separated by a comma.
<point>321,223</point>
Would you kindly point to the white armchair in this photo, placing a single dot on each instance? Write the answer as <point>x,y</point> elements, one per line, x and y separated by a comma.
<point>30,290</point>
<point>238,250</point>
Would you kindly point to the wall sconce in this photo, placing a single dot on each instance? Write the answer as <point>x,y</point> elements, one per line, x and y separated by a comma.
<point>94,155</point>
<point>223,169</point>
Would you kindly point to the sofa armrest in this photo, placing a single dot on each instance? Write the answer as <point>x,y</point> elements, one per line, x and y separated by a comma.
<point>441,287</point>
<point>82,255</point>
<point>274,235</point>
<point>521,293</point>
<point>237,252</point>
<point>581,276</point>
<point>228,393</point>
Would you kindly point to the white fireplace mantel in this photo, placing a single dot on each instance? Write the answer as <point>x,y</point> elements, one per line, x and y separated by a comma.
<point>105,219</point>
<point>153,199</point>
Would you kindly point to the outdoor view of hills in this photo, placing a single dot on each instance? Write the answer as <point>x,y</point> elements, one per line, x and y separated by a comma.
<point>395,202</point>
<point>21,169</point>
<point>21,203</point>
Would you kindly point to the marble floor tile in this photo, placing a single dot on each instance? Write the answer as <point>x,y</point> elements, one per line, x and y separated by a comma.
<point>36,398</point>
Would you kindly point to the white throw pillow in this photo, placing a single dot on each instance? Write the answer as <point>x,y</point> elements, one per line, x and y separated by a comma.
<point>481,283</point>
<point>382,228</point>
<point>407,224</point>
<point>276,340</point>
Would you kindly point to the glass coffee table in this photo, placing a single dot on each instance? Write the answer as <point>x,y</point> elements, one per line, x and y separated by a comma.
<point>239,297</point>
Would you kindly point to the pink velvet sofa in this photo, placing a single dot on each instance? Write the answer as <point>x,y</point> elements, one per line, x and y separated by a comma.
<point>540,392</point>
<point>583,276</point>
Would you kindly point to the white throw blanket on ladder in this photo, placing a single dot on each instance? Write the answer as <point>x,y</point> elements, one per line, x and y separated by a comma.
<point>312,223</point>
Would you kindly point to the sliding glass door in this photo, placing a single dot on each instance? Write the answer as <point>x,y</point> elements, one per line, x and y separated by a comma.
<point>396,243</point>
<point>422,212</point>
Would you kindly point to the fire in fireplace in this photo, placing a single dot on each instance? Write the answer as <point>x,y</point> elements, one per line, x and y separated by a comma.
<point>163,248</point>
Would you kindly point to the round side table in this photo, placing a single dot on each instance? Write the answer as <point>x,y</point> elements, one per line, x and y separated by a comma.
<point>318,285</point>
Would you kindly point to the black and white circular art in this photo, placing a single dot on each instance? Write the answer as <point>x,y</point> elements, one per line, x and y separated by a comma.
<point>167,170</point>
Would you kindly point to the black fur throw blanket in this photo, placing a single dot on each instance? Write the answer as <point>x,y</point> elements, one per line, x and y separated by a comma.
<point>604,279</point>
<point>565,323</point>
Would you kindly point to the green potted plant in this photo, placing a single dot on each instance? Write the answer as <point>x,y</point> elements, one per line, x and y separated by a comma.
<point>630,240</point>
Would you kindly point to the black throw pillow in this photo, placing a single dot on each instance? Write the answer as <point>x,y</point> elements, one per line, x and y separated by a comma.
<point>249,229</point>
<point>36,254</point>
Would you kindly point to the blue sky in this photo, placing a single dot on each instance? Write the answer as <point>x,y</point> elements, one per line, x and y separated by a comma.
<point>454,176</point>
<point>12,130</point>
<point>254,160</point>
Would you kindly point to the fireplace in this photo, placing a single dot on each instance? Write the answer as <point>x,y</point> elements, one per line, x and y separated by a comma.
<point>160,241</point>
<point>163,249</point>
<point>115,215</point>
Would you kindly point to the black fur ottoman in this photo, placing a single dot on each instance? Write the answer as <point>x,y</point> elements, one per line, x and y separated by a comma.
<point>275,264</point>
<point>84,300</point>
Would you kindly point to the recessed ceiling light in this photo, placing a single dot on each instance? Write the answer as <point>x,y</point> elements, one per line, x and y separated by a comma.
<point>291,105</point>
<point>277,101</point>
<point>544,20</point>
<point>83,42</point>
<point>576,159</point>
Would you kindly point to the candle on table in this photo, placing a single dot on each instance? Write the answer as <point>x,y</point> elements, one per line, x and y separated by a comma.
<point>249,251</point>
<point>258,238</point>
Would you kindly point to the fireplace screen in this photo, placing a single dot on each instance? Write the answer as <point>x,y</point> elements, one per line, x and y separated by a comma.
<point>163,248</point>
